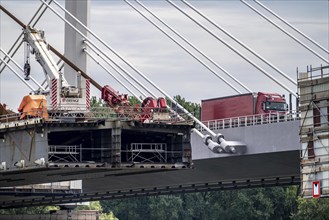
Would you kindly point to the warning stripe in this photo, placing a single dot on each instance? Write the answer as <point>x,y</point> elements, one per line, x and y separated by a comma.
<point>54,93</point>
<point>87,93</point>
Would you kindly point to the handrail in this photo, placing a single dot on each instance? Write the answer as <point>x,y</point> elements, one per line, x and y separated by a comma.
<point>148,146</point>
<point>313,73</point>
<point>250,120</point>
<point>123,113</point>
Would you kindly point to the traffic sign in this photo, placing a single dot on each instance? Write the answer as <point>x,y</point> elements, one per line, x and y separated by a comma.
<point>316,189</point>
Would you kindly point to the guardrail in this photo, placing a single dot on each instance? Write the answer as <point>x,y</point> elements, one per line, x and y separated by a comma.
<point>148,152</point>
<point>250,120</point>
<point>124,113</point>
<point>313,73</point>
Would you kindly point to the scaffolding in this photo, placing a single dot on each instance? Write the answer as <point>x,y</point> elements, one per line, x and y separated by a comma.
<point>64,153</point>
<point>148,153</point>
<point>314,130</point>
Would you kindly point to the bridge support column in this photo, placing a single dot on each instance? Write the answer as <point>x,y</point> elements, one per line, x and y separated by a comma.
<point>73,41</point>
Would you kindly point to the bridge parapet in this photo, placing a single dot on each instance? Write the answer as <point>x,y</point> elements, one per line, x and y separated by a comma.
<point>262,138</point>
<point>250,120</point>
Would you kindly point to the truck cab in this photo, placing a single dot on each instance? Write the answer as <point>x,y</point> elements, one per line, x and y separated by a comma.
<point>270,103</point>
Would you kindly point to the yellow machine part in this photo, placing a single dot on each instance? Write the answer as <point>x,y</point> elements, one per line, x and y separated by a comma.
<point>33,106</point>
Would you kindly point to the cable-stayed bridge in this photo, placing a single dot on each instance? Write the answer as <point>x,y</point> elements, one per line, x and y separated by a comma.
<point>270,154</point>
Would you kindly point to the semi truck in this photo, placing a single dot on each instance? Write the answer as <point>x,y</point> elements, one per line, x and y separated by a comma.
<point>243,105</point>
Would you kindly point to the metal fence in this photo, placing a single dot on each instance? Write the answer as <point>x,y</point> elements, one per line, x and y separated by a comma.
<point>148,152</point>
<point>313,73</point>
<point>124,113</point>
<point>250,120</point>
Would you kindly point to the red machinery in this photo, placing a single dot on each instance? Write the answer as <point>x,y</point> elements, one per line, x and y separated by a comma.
<point>112,97</point>
<point>149,105</point>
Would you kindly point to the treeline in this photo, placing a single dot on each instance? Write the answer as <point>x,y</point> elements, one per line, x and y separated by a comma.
<point>259,203</point>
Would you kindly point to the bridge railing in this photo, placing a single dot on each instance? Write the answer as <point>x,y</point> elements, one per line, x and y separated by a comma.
<point>250,120</point>
<point>147,152</point>
<point>124,113</point>
<point>313,73</point>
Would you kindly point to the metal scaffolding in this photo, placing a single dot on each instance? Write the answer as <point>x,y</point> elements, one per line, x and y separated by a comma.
<point>314,131</point>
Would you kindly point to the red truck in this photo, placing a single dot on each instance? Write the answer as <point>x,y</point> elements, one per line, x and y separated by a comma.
<point>243,105</point>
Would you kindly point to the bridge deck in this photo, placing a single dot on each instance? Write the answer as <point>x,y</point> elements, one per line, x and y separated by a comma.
<point>269,169</point>
<point>274,161</point>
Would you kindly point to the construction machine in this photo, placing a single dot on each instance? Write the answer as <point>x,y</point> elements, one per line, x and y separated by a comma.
<point>65,97</point>
<point>61,95</point>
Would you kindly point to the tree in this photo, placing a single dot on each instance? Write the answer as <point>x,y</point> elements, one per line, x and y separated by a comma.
<point>28,210</point>
<point>96,205</point>
<point>165,207</point>
<point>258,203</point>
<point>193,108</point>
<point>134,101</point>
<point>94,102</point>
<point>316,209</point>
<point>134,208</point>
<point>146,208</point>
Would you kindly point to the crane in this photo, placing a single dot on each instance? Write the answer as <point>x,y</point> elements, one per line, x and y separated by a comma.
<point>61,94</point>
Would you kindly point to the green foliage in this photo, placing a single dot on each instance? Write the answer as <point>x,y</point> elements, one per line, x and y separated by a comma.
<point>193,108</point>
<point>162,207</point>
<point>135,208</point>
<point>108,216</point>
<point>133,101</point>
<point>95,205</point>
<point>165,207</point>
<point>260,203</point>
<point>94,102</point>
<point>28,210</point>
<point>315,209</point>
